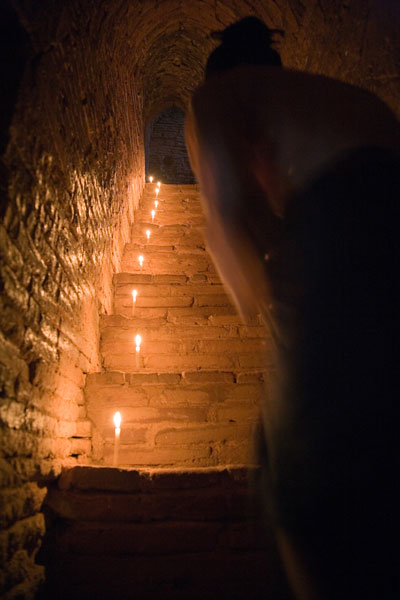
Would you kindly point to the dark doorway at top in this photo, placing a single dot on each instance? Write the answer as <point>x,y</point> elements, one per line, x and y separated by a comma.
<point>166,156</point>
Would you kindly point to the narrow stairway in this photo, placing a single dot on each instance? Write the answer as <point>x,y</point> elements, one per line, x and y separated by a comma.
<point>175,521</point>
<point>191,397</point>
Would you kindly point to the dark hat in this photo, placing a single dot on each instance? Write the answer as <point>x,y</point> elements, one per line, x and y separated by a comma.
<point>247,42</point>
<point>249,30</point>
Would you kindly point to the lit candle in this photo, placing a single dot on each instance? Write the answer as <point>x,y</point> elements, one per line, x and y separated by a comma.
<point>157,191</point>
<point>153,214</point>
<point>117,423</point>
<point>140,259</point>
<point>148,232</point>
<point>151,178</point>
<point>156,203</point>
<point>138,341</point>
<point>159,184</point>
<point>134,296</point>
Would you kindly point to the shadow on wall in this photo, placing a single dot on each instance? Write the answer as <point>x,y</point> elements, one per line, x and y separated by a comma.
<point>166,156</point>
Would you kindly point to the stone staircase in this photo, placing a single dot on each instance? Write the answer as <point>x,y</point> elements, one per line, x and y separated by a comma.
<point>176,522</point>
<point>191,398</point>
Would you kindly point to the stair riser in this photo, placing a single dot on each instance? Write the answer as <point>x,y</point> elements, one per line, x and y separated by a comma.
<point>124,291</point>
<point>125,335</point>
<point>196,424</point>
<point>168,263</point>
<point>157,538</point>
<point>189,505</point>
<point>126,304</point>
<point>145,317</point>
<point>163,219</point>
<point>166,362</point>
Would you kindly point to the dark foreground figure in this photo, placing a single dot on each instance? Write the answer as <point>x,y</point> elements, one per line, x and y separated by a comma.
<point>300,178</point>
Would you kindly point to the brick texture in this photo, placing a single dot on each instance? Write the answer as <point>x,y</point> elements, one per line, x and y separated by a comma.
<point>180,398</point>
<point>166,156</point>
<point>195,533</point>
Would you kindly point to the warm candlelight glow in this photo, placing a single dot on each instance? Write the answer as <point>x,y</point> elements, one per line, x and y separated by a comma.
<point>157,191</point>
<point>148,233</point>
<point>140,259</point>
<point>151,178</point>
<point>156,203</point>
<point>134,296</point>
<point>138,341</point>
<point>153,214</point>
<point>117,423</point>
<point>117,420</point>
<point>159,184</point>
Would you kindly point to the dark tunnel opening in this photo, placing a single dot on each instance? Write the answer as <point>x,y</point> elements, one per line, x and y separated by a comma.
<point>165,152</point>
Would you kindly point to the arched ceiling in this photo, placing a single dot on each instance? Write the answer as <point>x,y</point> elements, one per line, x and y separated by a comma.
<point>165,43</point>
<point>168,42</point>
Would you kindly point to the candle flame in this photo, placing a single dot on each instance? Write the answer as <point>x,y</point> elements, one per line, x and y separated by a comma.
<point>141,259</point>
<point>117,420</point>
<point>134,294</point>
<point>148,234</point>
<point>153,214</point>
<point>138,341</point>
<point>157,191</point>
<point>151,178</point>
<point>156,203</point>
<point>159,184</point>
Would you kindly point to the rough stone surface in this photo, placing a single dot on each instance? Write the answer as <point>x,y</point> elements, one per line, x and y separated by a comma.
<point>178,533</point>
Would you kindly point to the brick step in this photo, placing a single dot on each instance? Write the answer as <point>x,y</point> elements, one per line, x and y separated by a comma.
<point>168,263</point>
<point>113,539</point>
<point>169,534</point>
<point>116,328</point>
<point>193,418</point>
<point>131,495</point>
<point>172,192</point>
<point>217,575</point>
<point>168,356</point>
<point>124,288</point>
<point>170,308</point>
<point>172,205</point>
<point>169,200</point>
<point>168,296</point>
<point>168,235</point>
<point>164,217</point>
<point>182,347</point>
<point>152,248</point>
<point>166,206</point>
<point>159,316</point>
<point>164,279</point>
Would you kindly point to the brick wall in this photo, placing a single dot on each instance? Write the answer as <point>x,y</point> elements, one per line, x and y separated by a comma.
<point>73,171</point>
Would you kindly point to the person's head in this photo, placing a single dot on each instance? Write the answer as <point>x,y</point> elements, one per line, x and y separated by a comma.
<point>247,42</point>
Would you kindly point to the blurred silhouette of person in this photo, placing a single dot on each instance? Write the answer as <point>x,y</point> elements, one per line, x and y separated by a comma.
<point>300,179</point>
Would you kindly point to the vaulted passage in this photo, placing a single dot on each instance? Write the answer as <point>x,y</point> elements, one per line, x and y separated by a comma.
<point>94,101</point>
